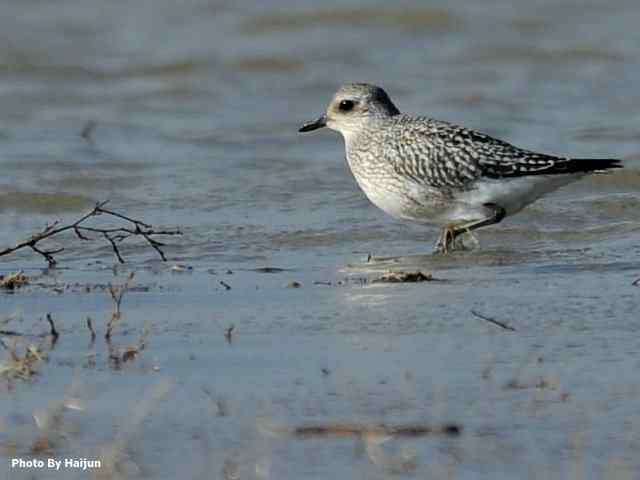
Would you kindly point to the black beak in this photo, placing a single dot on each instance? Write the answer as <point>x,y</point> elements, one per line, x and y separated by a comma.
<point>314,125</point>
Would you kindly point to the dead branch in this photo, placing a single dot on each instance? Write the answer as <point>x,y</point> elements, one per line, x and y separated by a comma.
<point>54,333</point>
<point>117,293</point>
<point>88,130</point>
<point>228,334</point>
<point>220,404</point>
<point>492,320</point>
<point>347,429</point>
<point>93,332</point>
<point>11,333</point>
<point>113,235</point>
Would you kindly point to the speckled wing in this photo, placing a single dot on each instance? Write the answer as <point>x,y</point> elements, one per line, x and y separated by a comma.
<point>430,153</point>
<point>498,159</point>
<point>440,155</point>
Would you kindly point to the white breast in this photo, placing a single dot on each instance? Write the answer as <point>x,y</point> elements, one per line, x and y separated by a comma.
<point>387,200</point>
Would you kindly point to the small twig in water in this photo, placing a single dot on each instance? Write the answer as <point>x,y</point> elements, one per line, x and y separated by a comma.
<point>229,333</point>
<point>225,285</point>
<point>113,235</point>
<point>117,293</point>
<point>54,333</point>
<point>492,320</point>
<point>11,333</point>
<point>88,129</point>
<point>636,282</point>
<point>352,429</point>
<point>93,332</point>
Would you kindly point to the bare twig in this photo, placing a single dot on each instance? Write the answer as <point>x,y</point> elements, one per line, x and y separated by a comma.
<point>347,429</point>
<point>11,333</point>
<point>93,332</point>
<point>117,293</point>
<point>54,333</point>
<point>114,246</point>
<point>88,130</point>
<point>113,235</point>
<point>492,320</point>
<point>228,334</point>
<point>221,405</point>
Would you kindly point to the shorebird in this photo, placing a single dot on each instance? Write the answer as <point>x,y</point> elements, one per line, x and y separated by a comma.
<point>434,172</point>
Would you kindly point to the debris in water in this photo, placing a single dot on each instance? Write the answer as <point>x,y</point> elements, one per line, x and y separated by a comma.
<point>351,429</point>
<point>270,270</point>
<point>13,281</point>
<point>493,321</point>
<point>179,268</point>
<point>404,277</point>
<point>54,333</point>
<point>228,334</point>
<point>88,130</point>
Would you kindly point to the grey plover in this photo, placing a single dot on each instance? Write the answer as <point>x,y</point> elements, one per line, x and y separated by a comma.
<point>433,172</point>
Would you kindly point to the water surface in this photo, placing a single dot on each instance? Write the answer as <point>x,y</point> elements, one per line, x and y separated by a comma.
<point>195,108</point>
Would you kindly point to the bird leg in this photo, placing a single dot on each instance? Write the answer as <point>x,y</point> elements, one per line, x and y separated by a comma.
<point>447,241</point>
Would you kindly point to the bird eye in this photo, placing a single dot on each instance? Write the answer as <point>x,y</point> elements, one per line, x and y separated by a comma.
<point>346,105</point>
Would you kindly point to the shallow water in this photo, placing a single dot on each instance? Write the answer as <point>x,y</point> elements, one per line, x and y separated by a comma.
<point>195,108</point>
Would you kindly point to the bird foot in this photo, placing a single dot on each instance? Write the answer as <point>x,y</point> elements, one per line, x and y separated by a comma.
<point>451,240</point>
<point>446,241</point>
